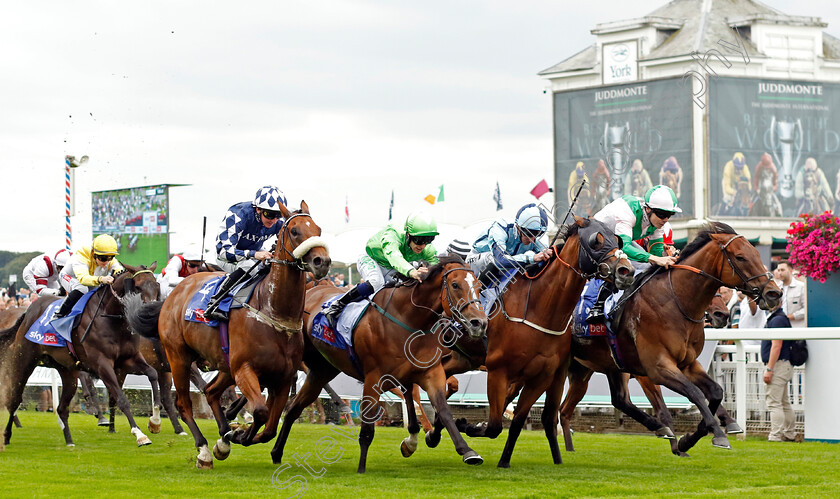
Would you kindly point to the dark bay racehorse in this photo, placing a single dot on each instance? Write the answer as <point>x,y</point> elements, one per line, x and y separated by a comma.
<point>527,343</point>
<point>266,343</point>
<point>394,352</point>
<point>660,332</point>
<point>101,342</point>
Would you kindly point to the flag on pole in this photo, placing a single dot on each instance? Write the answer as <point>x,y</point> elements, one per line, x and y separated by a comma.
<point>541,189</point>
<point>346,210</point>
<point>431,199</point>
<point>440,198</point>
<point>497,197</point>
<point>391,208</point>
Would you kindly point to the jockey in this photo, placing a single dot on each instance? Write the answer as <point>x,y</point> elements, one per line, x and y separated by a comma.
<point>41,273</point>
<point>577,176</point>
<point>88,267</point>
<point>244,230</point>
<point>632,218</point>
<point>506,245</point>
<point>179,267</point>
<point>388,253</point>
<point>734,171</point>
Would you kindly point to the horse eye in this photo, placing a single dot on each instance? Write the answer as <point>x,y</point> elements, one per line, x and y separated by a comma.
<point>740,258</point>
<point>295,232</point>
<point>455,285</point>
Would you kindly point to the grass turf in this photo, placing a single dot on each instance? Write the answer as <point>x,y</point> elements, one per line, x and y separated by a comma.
<point>37,463</point>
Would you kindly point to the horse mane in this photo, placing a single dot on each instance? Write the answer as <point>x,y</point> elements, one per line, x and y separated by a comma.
<point>703,237</point>
<point>443,261</point>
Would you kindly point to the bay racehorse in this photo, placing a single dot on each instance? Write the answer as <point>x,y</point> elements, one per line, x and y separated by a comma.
<point>398,341</point>
<point>266,343</point>
<point>660,331</point>
<point>527,344</point>
<point>102,345</point>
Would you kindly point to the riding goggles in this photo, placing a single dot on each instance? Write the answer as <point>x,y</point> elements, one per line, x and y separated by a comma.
<point>420,240</point>
<point>104,258</point>
<point>193,265</point>
<point>662,214</point>
<point>271,215</point>
<point>532,233</point>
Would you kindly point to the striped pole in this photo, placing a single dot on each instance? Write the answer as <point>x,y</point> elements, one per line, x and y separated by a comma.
<point>68,233</point>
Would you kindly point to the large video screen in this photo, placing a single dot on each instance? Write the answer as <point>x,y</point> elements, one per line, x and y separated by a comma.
<point>138,218</point>
<point>774,147</point>
<point>623,139</point>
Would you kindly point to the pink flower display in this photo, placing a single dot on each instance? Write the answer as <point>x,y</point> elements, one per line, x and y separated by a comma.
<point>814,245</point>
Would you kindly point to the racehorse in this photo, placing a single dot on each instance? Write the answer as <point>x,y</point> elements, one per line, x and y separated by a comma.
<point>398,342</point>
<point>661,337</point>
<point>101,343</point>
<point>740,206</point>
<point>600,187</point>
<point>266,344</point>
<point>526,341</point>
<point>766,202</point>
<point>813,200</point>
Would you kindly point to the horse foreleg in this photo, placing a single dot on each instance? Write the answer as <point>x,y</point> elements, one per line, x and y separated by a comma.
<point>277,398</point>
<point>68,391</point>
<point>180,365</point>
<point>319,375</point>
<point>165,381</point>
<point>371,410</point>
<point>16,421</point>
<point>497,389</point>
<point>154,380</point>
<point>213,393</point>
<point>195,377</point>
<point>105,371</point>
<point>714,394</point>
<point>579,376</point>
<point>530,393</point>
<point>89,393</point>
<point>657,403</point>
<point>249,384</point>
<point>14,372</point>
<point>409,444</point>
<point>620,396</point>
<point>422,416</point>
<point>671,377</point>
<point>553,396</point>
<point>434,383</point>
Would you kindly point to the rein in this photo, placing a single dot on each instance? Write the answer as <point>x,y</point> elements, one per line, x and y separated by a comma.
<point>298,252</point>
<point>99,305</point>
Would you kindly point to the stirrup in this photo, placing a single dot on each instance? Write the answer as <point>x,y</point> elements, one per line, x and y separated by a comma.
<point>596,316</point>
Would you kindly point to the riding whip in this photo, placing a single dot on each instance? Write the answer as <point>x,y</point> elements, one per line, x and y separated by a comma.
<point>203,236</point>
<point>572,205</point>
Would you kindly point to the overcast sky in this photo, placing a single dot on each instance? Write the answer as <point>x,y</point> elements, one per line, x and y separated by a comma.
<point>325,99</point>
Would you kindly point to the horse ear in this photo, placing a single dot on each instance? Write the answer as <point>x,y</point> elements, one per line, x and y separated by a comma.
<point>284,211</point>
<point>594,241</point>
<point>579,221</point>
<point>129,268</point>
<point>304,207</point>
<point>153,266</point>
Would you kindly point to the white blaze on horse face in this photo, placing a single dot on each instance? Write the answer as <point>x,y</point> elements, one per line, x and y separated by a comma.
<point>471,283</point>
<point>308,224</point>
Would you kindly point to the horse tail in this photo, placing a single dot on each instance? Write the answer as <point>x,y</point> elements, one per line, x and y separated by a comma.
<point>142,317</point>
<point>7,336</point>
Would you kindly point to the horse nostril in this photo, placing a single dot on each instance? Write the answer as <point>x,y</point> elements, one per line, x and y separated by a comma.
<point>316,262</point>
<point>476,323</point>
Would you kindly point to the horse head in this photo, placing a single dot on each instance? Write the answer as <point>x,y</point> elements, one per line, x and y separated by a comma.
<point>717,315</point>
<point>744,272</point>
<point>459,294</point>
<point>600,254</point>
<point>140,279</point>
<point>300,239</point>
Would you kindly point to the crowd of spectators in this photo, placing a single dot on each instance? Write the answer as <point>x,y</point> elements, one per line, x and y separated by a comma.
<point>12,297</point>
<point>113,210</point>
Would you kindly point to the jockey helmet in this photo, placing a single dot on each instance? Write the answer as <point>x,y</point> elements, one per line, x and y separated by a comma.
<point>421,223</point>
<point>104,244</point>
<point>269,198</point>
<point>533,219</point>
<point>191,256</point>
<point>61,257</point>
<point>661,197</point>
<point>738,160</point>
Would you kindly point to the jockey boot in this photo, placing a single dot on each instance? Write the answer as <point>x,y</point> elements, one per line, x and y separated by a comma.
<point>67,306</point>
<point>212,311</point>
<point>596,313</point>
<point>491,276</point>
<point>356,293</point>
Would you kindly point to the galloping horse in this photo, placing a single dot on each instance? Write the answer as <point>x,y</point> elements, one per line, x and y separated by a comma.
<point>813,198</point>
<point>740,206</point>
<point>527,344</point>
<point>660,331</point>
<point>393,351</point>
<point>266,343</point>
<point>766,202</point>
<point>101,343</point>
<point>600,188</point>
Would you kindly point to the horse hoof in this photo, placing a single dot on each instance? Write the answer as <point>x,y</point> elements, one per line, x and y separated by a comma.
<point>666,433</point>
<point>432,439</point>
<point>103,422</point>
<point>405,451</point>
<point>503,465</point>
<point>144,440</point>
<point>203,465</point>
<point>733,427</point>
<point>682,454</point>
<point>721,443</point>
<point>183,434</point>
<point>472,457</point>
<point>154,428</point>
<point>221,450</point>
<point>71,445</point>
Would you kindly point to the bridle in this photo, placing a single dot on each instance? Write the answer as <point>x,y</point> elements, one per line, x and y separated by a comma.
<point>457,312</point>
<point>296,259</point>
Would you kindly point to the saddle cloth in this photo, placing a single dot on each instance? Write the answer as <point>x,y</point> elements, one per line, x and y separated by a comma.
<point>590,294</point>
<point>56,332</point>
<point>346,324</point>
<point>201,298</point>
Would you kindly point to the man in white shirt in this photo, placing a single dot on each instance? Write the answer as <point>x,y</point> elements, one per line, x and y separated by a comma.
<point>793,295</point>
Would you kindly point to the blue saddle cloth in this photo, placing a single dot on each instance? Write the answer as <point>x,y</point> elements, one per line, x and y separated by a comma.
<point>56,332</point>
<point>587,299</point>
<point>345,325</point>
<point>201,298</point>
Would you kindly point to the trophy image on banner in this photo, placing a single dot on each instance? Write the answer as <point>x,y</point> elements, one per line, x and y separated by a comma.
<point>784,137</point>
<point>616,150</point>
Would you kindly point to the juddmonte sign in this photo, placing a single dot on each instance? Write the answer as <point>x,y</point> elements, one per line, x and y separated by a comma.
<point>623,139</point>
<point>774,147</point>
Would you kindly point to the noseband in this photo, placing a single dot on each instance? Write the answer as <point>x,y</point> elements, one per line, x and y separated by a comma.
<point>458,313</point>
<point>754,292</point>
<point>296,256</point>
<point>593,263</point>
